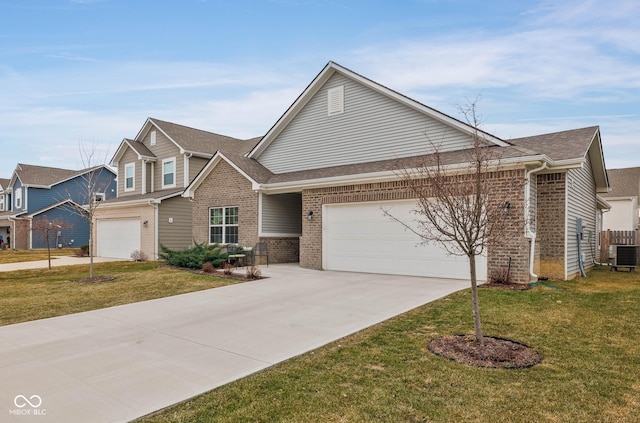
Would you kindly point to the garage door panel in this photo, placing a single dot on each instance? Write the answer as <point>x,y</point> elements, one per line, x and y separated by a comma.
<point>118,238</point>
<point>360,237</point>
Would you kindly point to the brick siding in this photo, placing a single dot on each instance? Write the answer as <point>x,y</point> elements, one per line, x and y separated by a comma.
<point>551,224</point>
<point>516,247</point>
<point>225,187</point>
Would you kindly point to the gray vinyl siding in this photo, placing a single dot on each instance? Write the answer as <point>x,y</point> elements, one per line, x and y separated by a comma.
<point>129,157</point>
<point>581,198</point>
<point>195,166</point>
<point>176,235</point>
<point>372,127</point>
<point>165,149</point>
<point>282,214</point>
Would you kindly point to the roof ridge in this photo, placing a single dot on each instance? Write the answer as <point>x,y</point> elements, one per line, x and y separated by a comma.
<point>155,120</point>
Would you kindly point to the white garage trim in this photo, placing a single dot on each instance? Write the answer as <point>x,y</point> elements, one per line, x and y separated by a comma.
<point>117,238</point>
<point>359,237</point>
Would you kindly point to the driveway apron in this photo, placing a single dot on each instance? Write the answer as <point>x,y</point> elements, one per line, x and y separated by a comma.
<point>119,363</point>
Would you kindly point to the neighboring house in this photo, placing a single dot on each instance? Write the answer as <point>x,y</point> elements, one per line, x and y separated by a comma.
<point>154,168</point>
<point>315,187</point>
<point>623,198</point>
<point>39,192</point>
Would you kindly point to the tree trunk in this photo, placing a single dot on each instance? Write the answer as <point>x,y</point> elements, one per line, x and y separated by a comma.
<point>474,301</point>
<point>91,248</point>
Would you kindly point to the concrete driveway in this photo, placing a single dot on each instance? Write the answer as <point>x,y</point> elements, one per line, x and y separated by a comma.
<point>123,362</point>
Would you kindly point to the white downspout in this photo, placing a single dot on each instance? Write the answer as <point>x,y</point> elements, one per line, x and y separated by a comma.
<point>527,215</point>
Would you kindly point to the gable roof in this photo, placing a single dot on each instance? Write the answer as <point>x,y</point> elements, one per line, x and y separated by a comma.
<point>570,148</point>
<point>624,182</point>
<point>4,183</point>
<point>329,70</point>
<point>46,177</point>
<point>72,204</point>
<point>188,140</point>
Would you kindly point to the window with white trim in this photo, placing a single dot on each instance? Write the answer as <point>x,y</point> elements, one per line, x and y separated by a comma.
<point>223,225</point>
<point>169,173</point>
<point>18,197</point>
<point>99,196</point>
<point>1,202</point>
<point>335,100</point>
<point>153,138</point>
<point>129,176</point>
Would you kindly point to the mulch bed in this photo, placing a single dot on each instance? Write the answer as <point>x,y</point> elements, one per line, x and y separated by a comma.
<point>497,353</point>
<point>96,279</point>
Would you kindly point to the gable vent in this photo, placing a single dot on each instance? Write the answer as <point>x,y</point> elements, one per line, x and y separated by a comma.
<point>335,98</point>
<point>153,137</point>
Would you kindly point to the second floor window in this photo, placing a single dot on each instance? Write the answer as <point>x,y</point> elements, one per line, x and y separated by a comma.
<point>129,176</point>
<point>169,173</point>
<point>1,202</point>
<point>18,196</point>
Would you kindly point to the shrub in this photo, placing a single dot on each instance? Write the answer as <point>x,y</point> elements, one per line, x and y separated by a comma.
<point>138,255</point>
<point>253,272</point>
<point>228,269</point>
<point>500,276</point>
<point>207,267</point>
<point>195,257</point>
<point>85,250</point>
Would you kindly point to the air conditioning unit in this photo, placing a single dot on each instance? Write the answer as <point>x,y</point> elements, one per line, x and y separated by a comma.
<point>623,256</point>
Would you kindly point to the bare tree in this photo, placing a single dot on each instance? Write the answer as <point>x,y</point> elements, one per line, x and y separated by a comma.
<point>91,189</point>
<point>458,206</point>
<point>47,230</point>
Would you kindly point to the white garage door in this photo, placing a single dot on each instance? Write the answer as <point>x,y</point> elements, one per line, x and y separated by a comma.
<point>117,238</point>
<point>359,237</point>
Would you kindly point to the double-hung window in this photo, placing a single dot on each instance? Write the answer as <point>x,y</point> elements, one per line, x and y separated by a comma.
<point>129,176</point>
<point>169,173</point>
<point>1,202</point>
<point>18,196</point>
<point>223,225</point>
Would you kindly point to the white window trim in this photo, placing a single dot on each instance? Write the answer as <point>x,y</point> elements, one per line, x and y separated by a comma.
<point>18,198</point>
<point>175,168</point>
<point>99,196</point>
<point>133,177</point>
<point>224,225</point>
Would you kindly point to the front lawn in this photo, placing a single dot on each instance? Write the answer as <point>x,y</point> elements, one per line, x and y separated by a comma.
<point>17,256</point>
<point>587,330</point>
<point>40,293</point>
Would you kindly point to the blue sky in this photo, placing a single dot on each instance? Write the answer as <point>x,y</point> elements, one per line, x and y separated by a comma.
<point>92,71</point>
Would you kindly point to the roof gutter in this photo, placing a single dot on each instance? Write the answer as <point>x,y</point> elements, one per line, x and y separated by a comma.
<point>529,233</point>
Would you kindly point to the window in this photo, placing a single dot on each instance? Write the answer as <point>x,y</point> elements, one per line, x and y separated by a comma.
<point>335,100</point>
<point>18,196</point>
<point>129,176</point>
<point>223,225</point>
<point>1,202</point>
<point>99,196</point>
<point>169,173</point>
<point>153,137</point>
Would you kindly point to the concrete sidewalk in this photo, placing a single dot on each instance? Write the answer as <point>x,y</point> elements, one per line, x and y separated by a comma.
<point>119,363</point>
<point>55,261</point>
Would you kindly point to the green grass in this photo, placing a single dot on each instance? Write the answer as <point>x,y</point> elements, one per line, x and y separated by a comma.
<point>16,256</point>
<point>37,294</point>
<point>588,332</point>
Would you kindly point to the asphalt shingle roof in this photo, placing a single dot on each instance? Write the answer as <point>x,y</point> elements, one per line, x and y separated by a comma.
<point>43,175</point>
<point>624,182</point>
<point>196,140</point>
<point>564,145</point>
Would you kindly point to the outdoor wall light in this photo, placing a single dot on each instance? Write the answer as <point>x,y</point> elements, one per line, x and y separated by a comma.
<point>145,222</point>
<point>507,206</point>
<point>310,214</point>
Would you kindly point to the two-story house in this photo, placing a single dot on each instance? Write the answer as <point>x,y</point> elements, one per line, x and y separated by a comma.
<point>39,192</point>
<point>154,168</point>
